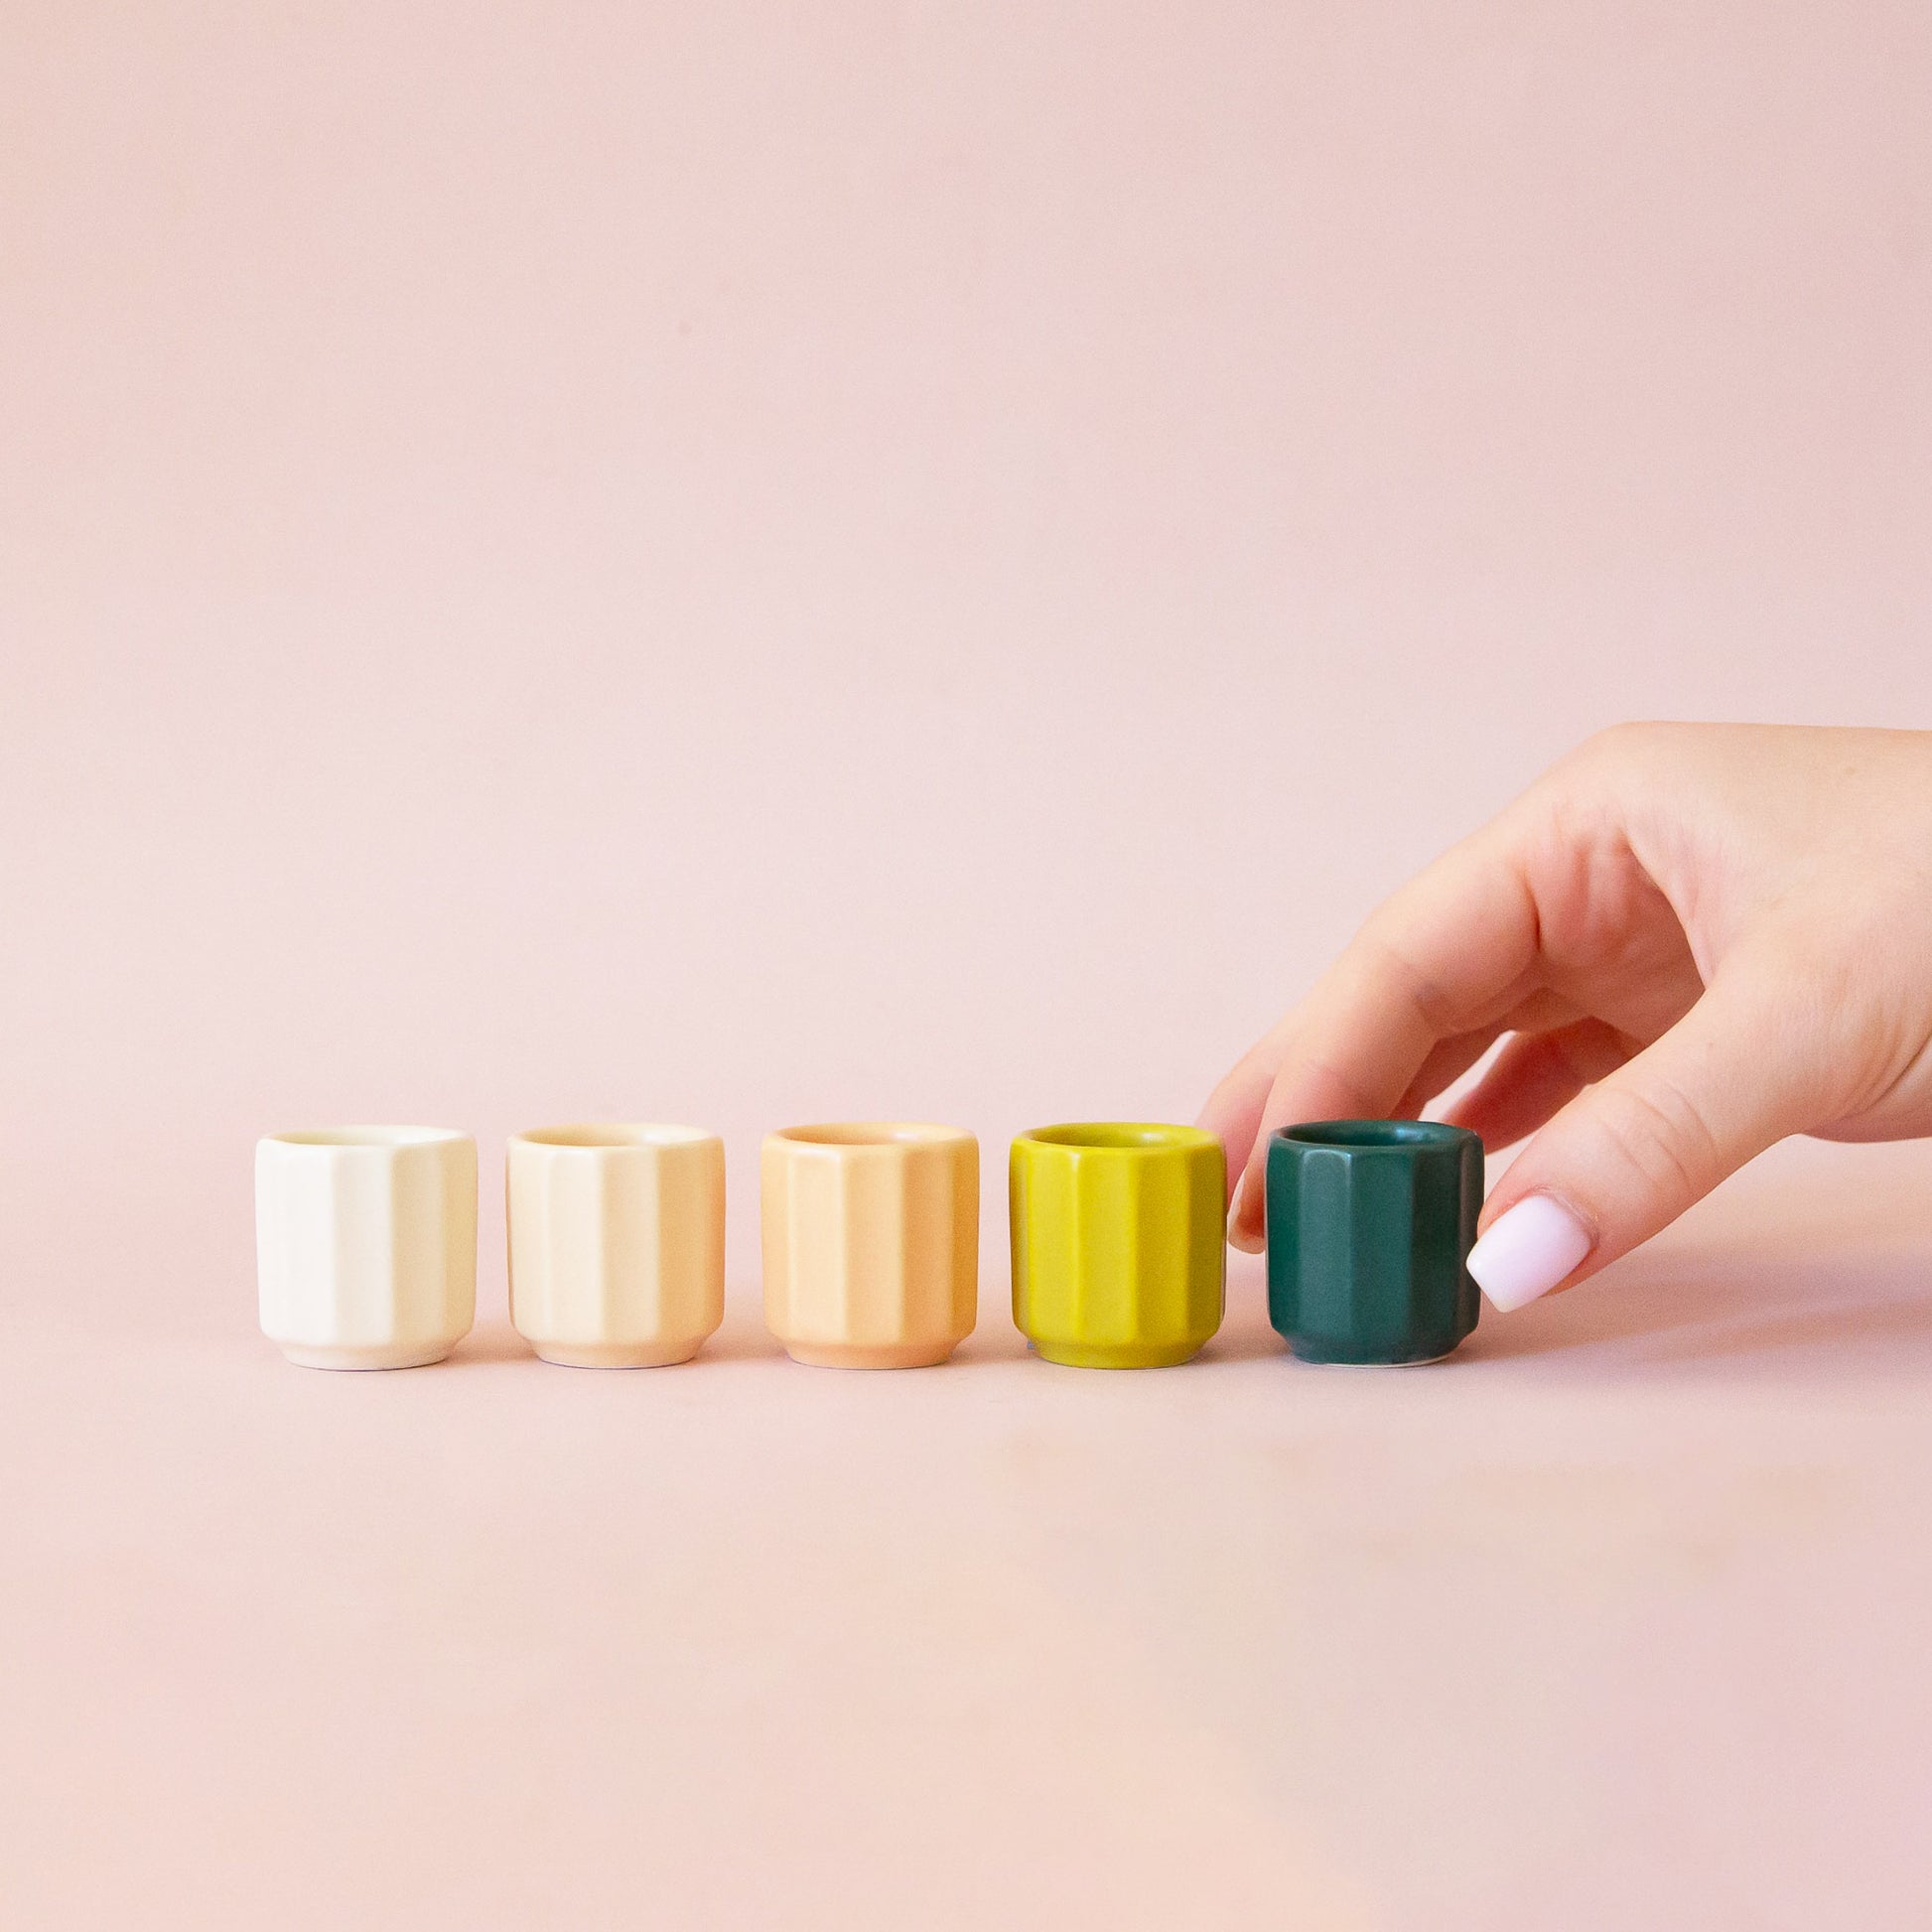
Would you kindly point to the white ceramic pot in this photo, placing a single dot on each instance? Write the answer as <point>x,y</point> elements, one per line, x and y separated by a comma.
<point>367,1241</point>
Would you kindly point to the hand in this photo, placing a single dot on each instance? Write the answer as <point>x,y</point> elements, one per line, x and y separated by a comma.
<point>1701,938</point>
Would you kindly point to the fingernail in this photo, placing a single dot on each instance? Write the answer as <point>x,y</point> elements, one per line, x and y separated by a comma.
<point>1243,1229</point>
<point>1529,1250</point>
<point>1245,1239</point>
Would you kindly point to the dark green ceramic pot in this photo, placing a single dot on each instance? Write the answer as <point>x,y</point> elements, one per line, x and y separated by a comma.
<point>1369,1225</point>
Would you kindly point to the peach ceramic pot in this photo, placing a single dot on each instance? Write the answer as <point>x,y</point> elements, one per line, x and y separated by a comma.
<point>366,1244</point>
<point>616,1243</point>
<point>871,1242</point>
<point>1119,1256</point>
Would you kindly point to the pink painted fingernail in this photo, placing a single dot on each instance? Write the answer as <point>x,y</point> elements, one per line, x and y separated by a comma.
<point>1529,1250</point>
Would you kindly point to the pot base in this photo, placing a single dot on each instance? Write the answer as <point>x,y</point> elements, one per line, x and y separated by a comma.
<point>616,1355</point>
<point>853,1354</point>
<point>381,1354</point>
<point>1400,1361</point>
<point>1132,1354</point>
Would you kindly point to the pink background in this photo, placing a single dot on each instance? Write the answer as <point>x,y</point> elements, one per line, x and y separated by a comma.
<point>740,565</point>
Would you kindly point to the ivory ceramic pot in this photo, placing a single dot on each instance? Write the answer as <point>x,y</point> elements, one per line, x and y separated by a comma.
<point>1371,1223</point>
<point>366,1244</point>
<point>871,1242</point>
<point>1119,1255</point>
<point>617,1242</point>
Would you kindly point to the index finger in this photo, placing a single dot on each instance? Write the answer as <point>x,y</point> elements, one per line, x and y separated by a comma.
<point>1449,954</point>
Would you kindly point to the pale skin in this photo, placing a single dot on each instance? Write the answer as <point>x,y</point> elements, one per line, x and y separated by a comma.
<point>1699,938</point>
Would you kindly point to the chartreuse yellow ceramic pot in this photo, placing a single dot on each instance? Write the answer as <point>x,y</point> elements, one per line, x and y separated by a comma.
<point>871,1242</point>
<point>617,1242</point>
<point>1119,1257</point>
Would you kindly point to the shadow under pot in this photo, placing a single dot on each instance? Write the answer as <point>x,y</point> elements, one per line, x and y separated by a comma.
<point>1371,1223</point>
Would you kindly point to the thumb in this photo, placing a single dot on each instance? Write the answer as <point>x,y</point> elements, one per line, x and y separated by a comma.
<point>1630,1153</point>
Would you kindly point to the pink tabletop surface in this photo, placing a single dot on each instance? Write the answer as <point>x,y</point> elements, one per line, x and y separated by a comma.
<point>1618,1619</point>
<point>747,565</point>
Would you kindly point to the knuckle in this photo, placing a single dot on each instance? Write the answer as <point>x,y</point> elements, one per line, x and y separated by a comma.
<point>1662,1133</point>
<point>1386,961</point>
<point>1620,745</point>
<point>1609,760</point>
<point>1624,736</point>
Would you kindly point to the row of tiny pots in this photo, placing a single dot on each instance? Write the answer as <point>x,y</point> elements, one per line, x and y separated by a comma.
<point>367,1242</point>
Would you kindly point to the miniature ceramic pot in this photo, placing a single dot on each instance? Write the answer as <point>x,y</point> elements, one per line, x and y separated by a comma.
<point>366,1244</point>
<point>1371,1223</point>
<point>871,1242</point>
<point>1119,1257</point>
<point>616,1243</point>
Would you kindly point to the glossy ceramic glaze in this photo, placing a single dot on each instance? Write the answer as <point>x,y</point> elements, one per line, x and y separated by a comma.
<point>1119,1259</point>
<point>617,1242</point>
<point>1371,1223</point>
<point>871,1242</point>
<point>366,1244</point>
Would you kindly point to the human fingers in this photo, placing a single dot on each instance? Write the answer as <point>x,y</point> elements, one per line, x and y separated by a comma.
<point>1452,953</point>
<point>1632,1152</point>
<point>1535,1074</point>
